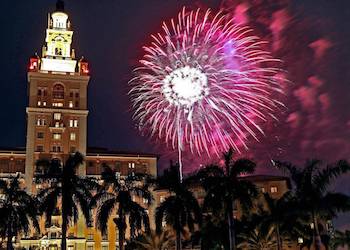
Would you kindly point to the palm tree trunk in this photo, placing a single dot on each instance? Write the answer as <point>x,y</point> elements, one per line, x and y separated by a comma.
<point>278,236</point>
<point>317,236</point>
<point>64,231</point>
<point>178,240</point>
<point>121,225</point>
<point>231,225</point>
<point>9,241</point>
<point>9,234</point>
<point>121,239</point>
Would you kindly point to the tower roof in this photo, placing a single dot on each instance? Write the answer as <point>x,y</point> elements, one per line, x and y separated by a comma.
<point>60,5</point>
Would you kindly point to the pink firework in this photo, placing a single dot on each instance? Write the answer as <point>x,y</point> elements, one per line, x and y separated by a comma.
<point>205,84</point>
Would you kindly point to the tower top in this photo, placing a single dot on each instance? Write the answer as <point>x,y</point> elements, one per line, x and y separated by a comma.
<point>60,5</point>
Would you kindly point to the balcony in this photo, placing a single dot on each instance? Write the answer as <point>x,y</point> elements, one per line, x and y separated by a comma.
<point>57,126</point>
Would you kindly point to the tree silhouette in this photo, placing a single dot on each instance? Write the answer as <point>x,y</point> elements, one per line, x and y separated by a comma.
<point>65,188</point>
<point>18,210</point>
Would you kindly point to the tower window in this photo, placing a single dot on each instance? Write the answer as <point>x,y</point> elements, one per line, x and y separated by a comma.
<point>57,136</point>
<point>73,123</point>
<point>72,136</point>
<point>39,103</point>
<point>40,135</point>
<point>58,91</point>
<point>40,122</point>
<point>57,104</point>
<point>71,104</point>
<point>40,148</point>
<point>57,116</point>
<point>56,149</point>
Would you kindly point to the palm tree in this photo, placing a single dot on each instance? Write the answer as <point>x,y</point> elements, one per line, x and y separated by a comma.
<point>17,208</point>
<point>117,194</point>
<point>281,216</point>
<point>153,241</point>
<point>180,210</point>
<point>64,184</point>
<point>262,237</point>
<point>341,239</point>
<point>311,190</point>
<point>224,188</point>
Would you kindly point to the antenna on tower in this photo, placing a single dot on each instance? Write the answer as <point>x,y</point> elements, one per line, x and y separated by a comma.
<point>60,5</point>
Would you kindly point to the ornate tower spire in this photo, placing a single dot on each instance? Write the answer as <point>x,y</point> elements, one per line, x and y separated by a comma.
<point>58,54</point>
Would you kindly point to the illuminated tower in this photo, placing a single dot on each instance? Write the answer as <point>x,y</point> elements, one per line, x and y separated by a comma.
<point>57,110</point>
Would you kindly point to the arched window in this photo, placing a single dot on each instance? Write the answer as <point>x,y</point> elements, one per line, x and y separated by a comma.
<point>58,91</point>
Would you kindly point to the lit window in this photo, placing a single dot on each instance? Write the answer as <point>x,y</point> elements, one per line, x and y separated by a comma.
<point>40,135</point>
<point>57,104</point>
<point>39,103</point>
<point>90,248</point>
<point>57,116</point>
<point>131,165</point>
<point>71,104</point>
<point>44,104</point>
<point>145,201</point>
<point>40,122</point>
<point>57,136</point>
<point>274,190</point>
<point>72,136</point>
<point>161,198</point>
<point>263,190</point>
<point>57,124</point>
<point>73,123</point>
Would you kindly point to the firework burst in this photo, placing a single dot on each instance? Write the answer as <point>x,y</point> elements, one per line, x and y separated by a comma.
<point>205,84</point>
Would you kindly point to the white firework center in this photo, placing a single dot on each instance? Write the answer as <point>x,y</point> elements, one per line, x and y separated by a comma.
<point>185,86</point>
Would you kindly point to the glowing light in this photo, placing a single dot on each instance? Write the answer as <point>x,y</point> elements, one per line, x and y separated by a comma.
<point>205,85</point>
<point>185,86</point>
<point>58,65</point>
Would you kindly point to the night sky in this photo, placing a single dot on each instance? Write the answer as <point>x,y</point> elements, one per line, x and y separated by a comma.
<point>312,37</point>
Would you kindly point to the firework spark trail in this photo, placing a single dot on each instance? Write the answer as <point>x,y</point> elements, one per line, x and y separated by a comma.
<point>205,85</point>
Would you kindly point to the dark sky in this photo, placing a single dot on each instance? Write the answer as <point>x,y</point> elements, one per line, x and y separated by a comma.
<point>110,33</point>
